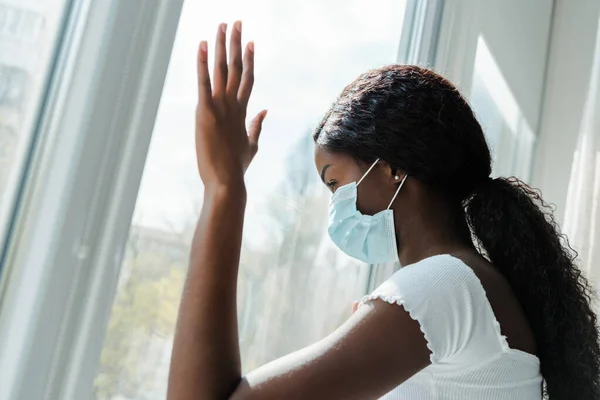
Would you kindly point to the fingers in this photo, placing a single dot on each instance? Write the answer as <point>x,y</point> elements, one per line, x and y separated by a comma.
<point>255,127</point>
<point>236,79</point>
<point>354,307</point>
<point>235,61</point>
<point>247,80</point>
<point>204,91</point>
<point>220,71</point>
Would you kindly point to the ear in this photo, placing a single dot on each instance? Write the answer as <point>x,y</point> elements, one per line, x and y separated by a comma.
<point>393,175</point>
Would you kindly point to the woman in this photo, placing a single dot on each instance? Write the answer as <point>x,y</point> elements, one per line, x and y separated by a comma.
<point>410,171</point>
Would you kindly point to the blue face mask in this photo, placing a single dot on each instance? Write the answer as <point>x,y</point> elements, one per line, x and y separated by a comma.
<point>369,238</point>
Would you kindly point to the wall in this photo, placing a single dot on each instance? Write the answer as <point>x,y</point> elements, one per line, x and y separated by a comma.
<point>496,52</point>
<point>572,43</point>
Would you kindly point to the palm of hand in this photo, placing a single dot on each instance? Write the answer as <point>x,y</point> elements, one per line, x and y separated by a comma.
<point>224,148</point>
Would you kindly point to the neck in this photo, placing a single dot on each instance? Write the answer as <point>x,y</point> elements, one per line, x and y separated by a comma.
<point>435,230</point>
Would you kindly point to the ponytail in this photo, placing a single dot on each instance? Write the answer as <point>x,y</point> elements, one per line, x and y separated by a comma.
<point>517,231</point>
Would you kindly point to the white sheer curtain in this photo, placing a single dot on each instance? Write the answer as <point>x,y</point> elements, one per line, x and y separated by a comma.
<point>582,215</point>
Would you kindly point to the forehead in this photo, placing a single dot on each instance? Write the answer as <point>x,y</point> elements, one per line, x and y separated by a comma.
<point>324,157</point>
<point>334,162</point>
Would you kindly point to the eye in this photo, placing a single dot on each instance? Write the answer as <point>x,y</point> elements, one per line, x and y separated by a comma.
<point>331,185</point>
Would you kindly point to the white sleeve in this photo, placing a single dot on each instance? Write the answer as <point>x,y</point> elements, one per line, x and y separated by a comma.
<point>445,296</point>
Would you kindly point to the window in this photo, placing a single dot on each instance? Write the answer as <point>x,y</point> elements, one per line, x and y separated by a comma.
<point>19,23</point>
<point>294,285</point>
<point>27,42</point>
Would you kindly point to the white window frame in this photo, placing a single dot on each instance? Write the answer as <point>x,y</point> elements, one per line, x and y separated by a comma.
<point>73,218</point>
<point>420,32</point>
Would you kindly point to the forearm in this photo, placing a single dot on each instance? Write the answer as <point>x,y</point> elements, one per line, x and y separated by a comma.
<point>206,361</point>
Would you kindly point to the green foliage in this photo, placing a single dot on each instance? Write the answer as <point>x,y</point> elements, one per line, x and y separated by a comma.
<point>145,306</point>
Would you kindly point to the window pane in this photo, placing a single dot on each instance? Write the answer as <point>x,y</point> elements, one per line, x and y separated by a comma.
<point>295,287</point>
<point>29,30</point>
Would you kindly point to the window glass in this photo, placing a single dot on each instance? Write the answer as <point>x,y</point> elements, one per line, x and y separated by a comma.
<point>29,31</point>
<point>294,287</point>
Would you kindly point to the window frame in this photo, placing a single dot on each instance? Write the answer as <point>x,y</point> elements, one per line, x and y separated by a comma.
<point>79,193</point>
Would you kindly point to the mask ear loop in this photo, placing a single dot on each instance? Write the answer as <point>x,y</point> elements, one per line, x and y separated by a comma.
<point>367,173</point>
<point>397,191</point>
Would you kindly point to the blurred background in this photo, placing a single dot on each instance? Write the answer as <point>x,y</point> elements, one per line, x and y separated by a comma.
<point>99,191</point>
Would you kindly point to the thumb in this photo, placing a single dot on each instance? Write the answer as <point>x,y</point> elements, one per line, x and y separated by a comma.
<point>354,306</point>
<point>255,127</point>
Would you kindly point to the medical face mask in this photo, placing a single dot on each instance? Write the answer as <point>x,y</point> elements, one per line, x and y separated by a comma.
<point>369,238</point>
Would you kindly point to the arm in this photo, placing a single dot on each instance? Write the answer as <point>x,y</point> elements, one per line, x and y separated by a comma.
<point>378,348</point>
<point>206,362</point>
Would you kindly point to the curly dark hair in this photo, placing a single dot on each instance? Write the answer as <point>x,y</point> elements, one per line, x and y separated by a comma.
<point>417,121</point>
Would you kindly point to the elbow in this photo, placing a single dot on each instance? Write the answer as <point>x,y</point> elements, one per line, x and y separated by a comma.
<point>242,391</point>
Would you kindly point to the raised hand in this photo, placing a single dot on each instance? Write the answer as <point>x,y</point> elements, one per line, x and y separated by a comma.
<point>224,148</point>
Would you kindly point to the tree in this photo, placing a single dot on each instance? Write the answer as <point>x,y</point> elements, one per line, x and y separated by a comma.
<point>143,315</point>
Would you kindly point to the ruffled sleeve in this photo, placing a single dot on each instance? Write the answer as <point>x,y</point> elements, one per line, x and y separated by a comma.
<point>447,300</point>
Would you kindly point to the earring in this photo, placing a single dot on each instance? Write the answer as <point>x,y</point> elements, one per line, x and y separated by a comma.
<point>396,177</point>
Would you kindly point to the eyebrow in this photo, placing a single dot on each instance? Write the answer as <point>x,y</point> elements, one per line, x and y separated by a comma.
<point>323,172</point>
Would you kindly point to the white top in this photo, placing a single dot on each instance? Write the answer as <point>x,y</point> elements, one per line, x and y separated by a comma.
<point>470,358</point>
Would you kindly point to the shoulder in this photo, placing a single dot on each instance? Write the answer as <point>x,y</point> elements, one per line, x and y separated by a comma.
<point>445,297</point>
<point>429,279</point>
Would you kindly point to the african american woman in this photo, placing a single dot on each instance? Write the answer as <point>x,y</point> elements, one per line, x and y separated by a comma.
<point>488,304</point>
